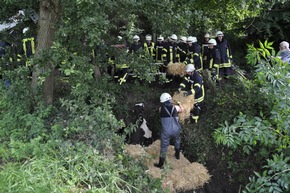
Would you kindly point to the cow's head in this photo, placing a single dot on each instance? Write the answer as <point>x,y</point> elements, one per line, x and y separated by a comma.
<point>138,110</point>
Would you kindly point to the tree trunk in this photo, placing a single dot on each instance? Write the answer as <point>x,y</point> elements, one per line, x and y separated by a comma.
<point>48,17</point>
<point>97,72</point>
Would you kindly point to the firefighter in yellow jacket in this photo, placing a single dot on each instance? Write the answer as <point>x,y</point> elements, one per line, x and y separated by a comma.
<point>193,85</point>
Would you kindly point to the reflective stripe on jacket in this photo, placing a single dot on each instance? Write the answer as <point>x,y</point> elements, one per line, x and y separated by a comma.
<point>194,84</point>
<point>225,53</point>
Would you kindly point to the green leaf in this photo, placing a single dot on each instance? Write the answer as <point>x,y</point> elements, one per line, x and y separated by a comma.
<point>67,72</point>
<point>261,45</point>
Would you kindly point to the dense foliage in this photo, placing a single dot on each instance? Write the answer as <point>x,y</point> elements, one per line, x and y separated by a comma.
<point>265,134</point>
<point>73,145</point>
<point>272,23</point>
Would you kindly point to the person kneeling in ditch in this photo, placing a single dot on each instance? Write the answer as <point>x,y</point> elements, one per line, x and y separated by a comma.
<point>170,127</point>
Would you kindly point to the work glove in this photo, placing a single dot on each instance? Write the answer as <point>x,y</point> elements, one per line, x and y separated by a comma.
<point>190,92</point>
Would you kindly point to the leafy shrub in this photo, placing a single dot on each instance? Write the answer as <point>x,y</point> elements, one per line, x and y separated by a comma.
<point>267,130</point>
<point>72,146</point>
<point>68,167</point>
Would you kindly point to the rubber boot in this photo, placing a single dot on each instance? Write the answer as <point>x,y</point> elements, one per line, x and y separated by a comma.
<point>177,153</point>
<point>161,163</point>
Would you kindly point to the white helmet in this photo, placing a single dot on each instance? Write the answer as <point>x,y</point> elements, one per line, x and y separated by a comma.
<point>206,35</point>
<point>173,37</point>
<point>165,97</point>
<point>25,30</point>
<point>189,68</point>
<point>160,38</point>
<point>219,33</point>
<point>183,39</point>
<point>191,39</point>
<point>136,37</point>
<point>284,44</point>
<point>212,41</point>
<point>148,37</point>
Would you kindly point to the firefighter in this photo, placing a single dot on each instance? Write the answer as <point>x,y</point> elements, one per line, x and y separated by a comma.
<point>136,46</point>
<point>193,85</point>
<point>225,55</point>
<point>194,52</point>
<point>120,70</point>
<point>110,54</point>
<point>149,46</point>
<point>171,50</point>
<point>170,127</point>
<point>28,46</point>
<point>160,53</point>
<point>159,49</point>
<point>204,51</point>
<point>214,61</point>
<point>182,48</point>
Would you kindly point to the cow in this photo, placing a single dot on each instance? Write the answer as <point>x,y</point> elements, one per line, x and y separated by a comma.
<point>142,135</point>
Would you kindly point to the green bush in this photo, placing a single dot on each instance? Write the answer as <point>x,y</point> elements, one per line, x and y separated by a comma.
<point>71,146</point>
<point>266,131</point>
<point>68,167</point>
